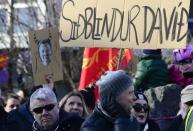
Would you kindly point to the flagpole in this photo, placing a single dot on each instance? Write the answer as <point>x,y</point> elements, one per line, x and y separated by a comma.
<point>120,57</point>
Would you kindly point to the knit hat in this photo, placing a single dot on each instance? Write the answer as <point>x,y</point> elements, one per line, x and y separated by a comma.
<point>152,52</point>
<point>140,96</point>
<point>113,83</point>
<point>187,94</point>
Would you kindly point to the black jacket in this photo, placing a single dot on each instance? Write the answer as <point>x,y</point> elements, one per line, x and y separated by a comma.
<point>22,118</point>
<point>67,122</point>
<point>3,118</point>
<point>98,121</point>
<point>178,124</point>
<point>5,123</point>
<point>152,126</point>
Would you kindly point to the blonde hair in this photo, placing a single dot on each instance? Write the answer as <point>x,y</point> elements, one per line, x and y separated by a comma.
<point>63,101</point>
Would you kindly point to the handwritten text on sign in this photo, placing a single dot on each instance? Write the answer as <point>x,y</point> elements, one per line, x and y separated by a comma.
<point>124,23</point>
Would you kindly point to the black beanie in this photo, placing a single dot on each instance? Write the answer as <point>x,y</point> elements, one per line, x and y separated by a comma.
<point>152,52</point>
<point>140,96</point>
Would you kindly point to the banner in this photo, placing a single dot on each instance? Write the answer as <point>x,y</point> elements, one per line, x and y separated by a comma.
<point>148,24</point>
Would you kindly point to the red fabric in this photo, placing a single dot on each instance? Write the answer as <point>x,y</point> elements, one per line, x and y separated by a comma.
<point>3,59</point>
<point>98,60</point>
<point>127,56</point>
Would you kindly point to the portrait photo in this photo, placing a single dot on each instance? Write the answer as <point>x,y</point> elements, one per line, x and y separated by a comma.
<point>45,51</point>
<point>46,55</point>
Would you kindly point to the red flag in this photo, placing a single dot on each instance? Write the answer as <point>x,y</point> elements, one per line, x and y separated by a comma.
<point>98,60</point>
<point>3,59</point>
<point>95,62</point>
<point>127,56</point>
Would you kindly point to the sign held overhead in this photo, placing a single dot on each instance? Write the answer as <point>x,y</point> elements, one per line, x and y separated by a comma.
<point>46,56</point>
<point>124,23</point>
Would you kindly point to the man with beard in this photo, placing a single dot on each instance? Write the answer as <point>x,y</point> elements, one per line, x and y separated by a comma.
<point>116,92</point>
<point>48,116</point>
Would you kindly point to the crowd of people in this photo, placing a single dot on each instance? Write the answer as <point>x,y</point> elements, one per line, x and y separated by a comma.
<point>119,108</point>
<point>122,104</point>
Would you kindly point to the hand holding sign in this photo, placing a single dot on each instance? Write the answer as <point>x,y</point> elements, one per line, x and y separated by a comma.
<point>49,80</point>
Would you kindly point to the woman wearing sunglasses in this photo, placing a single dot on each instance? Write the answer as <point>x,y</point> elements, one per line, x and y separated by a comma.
<point>140,111</point>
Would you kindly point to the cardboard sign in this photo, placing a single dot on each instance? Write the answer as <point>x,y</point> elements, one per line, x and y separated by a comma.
<point>149,24</point>
<point>46,56</point>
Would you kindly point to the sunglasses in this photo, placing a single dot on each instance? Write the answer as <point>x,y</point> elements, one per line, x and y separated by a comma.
<point>138,107</point>
<point>48,107</point>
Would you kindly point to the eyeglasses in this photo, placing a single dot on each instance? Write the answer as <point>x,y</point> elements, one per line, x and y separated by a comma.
<point>48,107</point>
<point>138,107</point>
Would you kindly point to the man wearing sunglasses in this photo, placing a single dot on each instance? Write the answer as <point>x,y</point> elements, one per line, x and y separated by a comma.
<point>116,92</point>
<point>48,116</point>
<point>22,116</point>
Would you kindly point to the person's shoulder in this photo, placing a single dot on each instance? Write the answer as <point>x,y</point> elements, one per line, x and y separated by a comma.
<point>93,123</point>
<point>153,125</point>
<point>70,117</point>
<point>70,121</point>
<point>96,120</point>
<point>22,111</point>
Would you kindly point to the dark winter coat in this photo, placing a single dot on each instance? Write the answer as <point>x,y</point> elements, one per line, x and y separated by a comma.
<point>3,118</point>
<point>67,122</point>
<point>151,72</point>
<point>151,125</point>
<point>178,124</point>
<point>5,123</point>
<point>98,121</point>
<point>22,117</point>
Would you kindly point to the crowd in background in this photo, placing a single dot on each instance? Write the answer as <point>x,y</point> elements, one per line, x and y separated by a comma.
<point>122,105</point>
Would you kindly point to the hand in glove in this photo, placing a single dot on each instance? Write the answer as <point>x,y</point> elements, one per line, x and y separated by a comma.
<point>89,96</point>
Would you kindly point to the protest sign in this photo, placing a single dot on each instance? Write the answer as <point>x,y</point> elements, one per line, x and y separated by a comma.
<point>46,56</point>
<point>147,24</point>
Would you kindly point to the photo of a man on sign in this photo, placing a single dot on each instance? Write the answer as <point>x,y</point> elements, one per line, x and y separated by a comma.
<point>45,51</point>
<point>46,57</point>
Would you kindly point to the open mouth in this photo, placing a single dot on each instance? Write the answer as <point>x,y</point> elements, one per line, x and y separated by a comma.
<point>141,117</point>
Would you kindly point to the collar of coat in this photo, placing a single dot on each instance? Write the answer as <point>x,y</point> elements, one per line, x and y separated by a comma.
<point>103,113</point>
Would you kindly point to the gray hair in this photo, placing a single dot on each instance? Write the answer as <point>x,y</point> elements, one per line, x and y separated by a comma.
<point>43,94</point>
